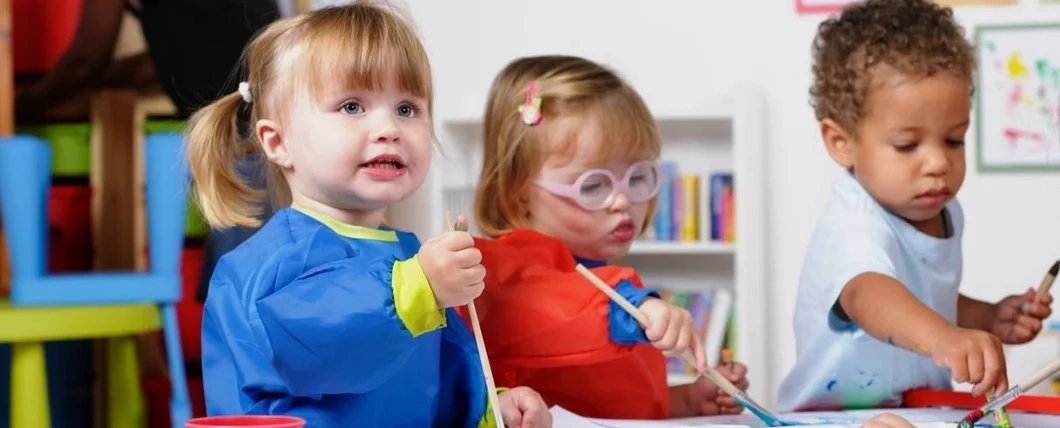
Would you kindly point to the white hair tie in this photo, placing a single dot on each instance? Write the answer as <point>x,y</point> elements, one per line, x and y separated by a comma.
<point>244,90</point>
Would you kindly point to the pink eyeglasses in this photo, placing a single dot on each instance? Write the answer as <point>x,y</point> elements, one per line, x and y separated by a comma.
<point>595,189</point>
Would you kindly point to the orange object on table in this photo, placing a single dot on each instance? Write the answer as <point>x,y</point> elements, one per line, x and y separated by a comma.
<point>963,400</point>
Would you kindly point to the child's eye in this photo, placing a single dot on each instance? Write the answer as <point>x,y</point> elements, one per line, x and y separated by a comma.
<point>906,148</point>
<point>351,108</point>
<point>588,188</point>
<point>955,143</point>
<point>407,110</point>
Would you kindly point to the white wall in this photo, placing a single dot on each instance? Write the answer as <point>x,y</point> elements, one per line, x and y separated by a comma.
<point>672,49</point>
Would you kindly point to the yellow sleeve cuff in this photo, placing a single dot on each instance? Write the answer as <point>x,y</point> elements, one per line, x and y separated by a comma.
<point>414,299</point>
<point>488,421</point>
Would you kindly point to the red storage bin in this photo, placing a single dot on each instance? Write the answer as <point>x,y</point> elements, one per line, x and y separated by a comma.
<point>41,31</point>
<point>189,310</point>
<point>157,391</point>
<point>70,228</point>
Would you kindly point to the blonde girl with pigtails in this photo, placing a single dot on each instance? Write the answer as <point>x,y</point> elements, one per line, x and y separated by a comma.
<point>325,313</point>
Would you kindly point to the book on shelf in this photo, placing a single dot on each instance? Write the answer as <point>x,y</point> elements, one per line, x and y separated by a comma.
<point>677,210</point>
<point>712,314</point>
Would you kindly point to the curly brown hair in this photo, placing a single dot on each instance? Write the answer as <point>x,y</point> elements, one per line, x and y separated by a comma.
<point>916,38</point>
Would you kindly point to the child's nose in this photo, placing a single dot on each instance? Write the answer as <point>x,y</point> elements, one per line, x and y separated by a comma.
<point>620,202</point>
<point>385,130</point>
<point>936,163</point>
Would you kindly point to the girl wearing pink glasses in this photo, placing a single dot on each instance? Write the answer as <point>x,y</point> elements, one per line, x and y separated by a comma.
<point>570,175</point>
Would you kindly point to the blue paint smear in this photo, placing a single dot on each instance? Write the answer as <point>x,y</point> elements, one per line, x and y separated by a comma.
<point>831,384</point>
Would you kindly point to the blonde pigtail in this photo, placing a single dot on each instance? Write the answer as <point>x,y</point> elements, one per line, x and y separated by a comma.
<point>213,149</point>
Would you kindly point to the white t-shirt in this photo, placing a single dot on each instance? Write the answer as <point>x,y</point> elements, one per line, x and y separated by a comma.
<point>838,365</point>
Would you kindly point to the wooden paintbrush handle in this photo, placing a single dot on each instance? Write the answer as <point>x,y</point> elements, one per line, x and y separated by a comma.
<point>1040,375</point>
<point>637,314</point>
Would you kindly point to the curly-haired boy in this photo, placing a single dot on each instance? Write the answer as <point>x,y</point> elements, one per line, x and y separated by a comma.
<point>878,309</point>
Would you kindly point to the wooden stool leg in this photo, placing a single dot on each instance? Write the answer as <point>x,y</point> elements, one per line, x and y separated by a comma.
<point>29,386</point>
<point>125,406</point>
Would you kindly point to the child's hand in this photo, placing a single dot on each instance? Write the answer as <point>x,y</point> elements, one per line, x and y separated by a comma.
<point>671,329</point>
<point>1017,319</point>
<point>972,356</point>
<point>887,420</point>
<point>707,399</point>
<point>522,407</point>
<point>453,266</point>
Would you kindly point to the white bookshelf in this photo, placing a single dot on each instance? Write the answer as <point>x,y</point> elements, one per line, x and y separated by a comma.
<point>705,135</point>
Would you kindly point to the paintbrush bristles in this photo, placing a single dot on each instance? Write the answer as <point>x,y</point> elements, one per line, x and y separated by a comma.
<point>1048,281</point>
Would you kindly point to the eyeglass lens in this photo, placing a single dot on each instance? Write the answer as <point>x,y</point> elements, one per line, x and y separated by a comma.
<point>641,182</point>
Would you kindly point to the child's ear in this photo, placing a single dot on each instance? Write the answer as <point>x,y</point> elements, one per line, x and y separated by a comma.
<point>273,143</point>
<point>838,142</point>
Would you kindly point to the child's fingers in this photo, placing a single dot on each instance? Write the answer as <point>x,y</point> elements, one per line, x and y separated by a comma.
<point>959,369</point>
<point>699,352</point>
<point>975,367</point>
<point>731,410</point>
<point>738,376</point>
<point>1002,383</point>
<point>992,372</point>
<point>1038,310</point>
<point>1025,328</point>
<point>726,400</point>
<point>672,336</point>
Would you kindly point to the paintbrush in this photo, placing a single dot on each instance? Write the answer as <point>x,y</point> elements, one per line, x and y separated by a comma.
<point>487,372</point>
<point>1011,395</point>
<point>1047,282</point>
<point>1000,415</point>
<point>710,372</point>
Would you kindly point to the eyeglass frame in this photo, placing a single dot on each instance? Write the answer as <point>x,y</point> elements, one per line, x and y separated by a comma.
<point>572,192</point>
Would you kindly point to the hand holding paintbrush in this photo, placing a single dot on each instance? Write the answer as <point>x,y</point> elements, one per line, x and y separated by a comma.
<point>1011,395</point>
<point>688,355</point>
<point>487,372</point>
<point>1018,319</point>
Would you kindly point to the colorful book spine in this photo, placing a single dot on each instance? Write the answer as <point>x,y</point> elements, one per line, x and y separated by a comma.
<point>689,208</point>
<point>664,225</point>
<point>722,208</point>
<point>681,200</point>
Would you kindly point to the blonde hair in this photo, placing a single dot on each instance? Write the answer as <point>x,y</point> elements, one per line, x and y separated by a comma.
<point>359,45</point>
<point>571,88</point>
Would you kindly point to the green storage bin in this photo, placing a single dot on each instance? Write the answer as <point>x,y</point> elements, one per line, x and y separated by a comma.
<point>194,225</point>
<point>152,126</point>
<point>71,146</point>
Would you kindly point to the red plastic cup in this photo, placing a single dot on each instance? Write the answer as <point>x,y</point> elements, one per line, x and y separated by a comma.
<point>246,422</point>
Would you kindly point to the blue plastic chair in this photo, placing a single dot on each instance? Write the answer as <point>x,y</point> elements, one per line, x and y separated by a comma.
<point>25,164</point>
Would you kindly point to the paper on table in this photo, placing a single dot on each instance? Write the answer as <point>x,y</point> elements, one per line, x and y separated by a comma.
<point>921,418</point>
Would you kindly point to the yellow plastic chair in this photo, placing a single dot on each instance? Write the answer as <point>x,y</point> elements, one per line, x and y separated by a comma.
<point>27,328</point>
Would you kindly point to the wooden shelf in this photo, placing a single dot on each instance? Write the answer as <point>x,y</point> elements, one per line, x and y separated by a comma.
<point>679,248</point>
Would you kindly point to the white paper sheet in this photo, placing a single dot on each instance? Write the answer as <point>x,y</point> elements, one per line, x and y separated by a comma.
<point>921,418</point>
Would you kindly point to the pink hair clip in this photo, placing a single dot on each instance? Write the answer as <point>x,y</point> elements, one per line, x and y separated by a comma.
<point>530,111</point>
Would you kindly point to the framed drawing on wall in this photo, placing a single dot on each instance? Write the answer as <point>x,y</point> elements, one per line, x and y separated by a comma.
<point>1017,101</point>
<point>805,7</point>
